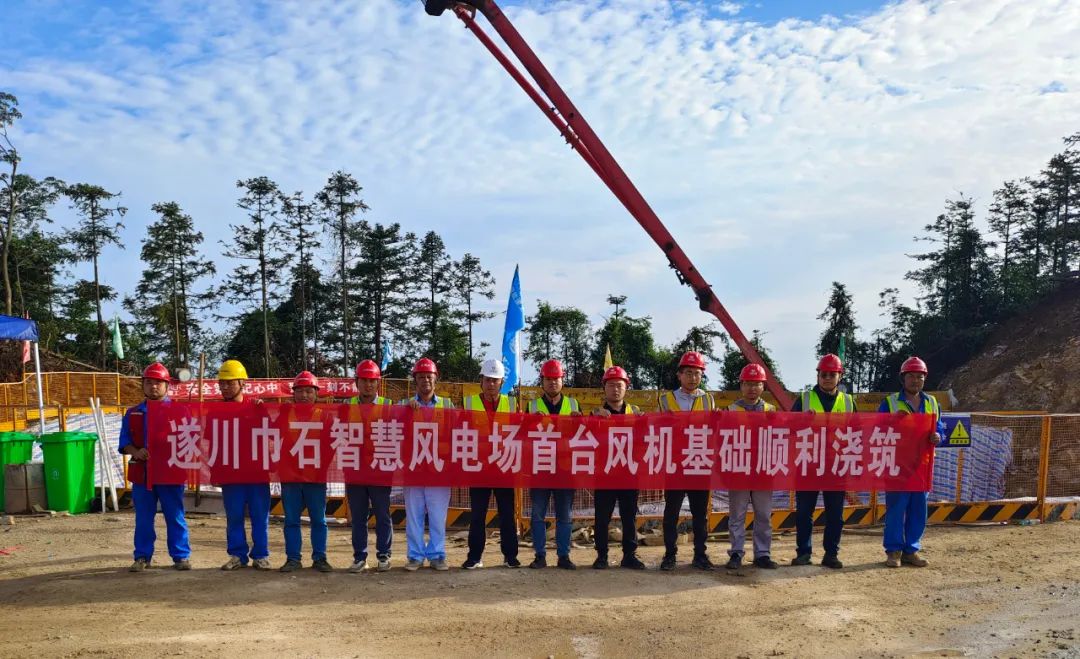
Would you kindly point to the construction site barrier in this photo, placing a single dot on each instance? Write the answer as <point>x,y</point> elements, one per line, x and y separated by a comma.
<point>1019,466</point>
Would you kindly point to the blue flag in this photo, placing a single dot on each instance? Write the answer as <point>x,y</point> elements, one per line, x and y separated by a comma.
<point>386,355</point>
<point>515,322</point>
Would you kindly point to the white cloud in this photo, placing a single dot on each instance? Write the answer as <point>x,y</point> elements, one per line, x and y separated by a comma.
<point>781,157</point>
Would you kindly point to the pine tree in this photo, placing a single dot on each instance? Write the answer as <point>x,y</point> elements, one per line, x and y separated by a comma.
<point>383,278</point>
<point>165,297</point>
<point>341,202</point>
<point>259,246</point>
<point>471,281</point>
<point>299,219</point>
<point>96,230</point>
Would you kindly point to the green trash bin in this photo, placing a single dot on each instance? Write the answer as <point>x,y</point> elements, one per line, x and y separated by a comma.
<point>69,470</point>
<point>15,449</point>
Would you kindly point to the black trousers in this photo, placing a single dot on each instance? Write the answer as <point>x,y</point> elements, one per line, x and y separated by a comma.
<point>805,502</point>
<point>479,498</point>
<point>699,507</point>
<point>605,506</point>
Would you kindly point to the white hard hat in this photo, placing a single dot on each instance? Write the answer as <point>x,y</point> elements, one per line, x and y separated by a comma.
<point>492,368</point>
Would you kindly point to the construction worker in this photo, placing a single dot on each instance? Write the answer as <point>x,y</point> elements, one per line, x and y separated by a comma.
<point>155,385</point>
<point>615,382</point>
<point>492,374</point>
<point>295,497</point>
<point>552,402</point>
<point>687,398</point>
<point>254,498</point>
<point>905,512</point>
<point>751,386</point>
<point>424,501</point>
<point>365,498</point>
<point>825,398</point>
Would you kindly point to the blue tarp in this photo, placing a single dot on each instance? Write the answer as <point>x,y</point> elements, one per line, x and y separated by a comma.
<point>17,329</point>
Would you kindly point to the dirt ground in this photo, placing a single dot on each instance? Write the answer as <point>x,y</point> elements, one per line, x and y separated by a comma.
<point>990,591</point>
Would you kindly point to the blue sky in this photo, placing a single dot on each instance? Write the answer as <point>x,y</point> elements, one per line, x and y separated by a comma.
<point>782,147</point>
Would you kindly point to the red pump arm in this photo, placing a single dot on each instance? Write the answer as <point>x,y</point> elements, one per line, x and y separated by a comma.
<point>561,111</point>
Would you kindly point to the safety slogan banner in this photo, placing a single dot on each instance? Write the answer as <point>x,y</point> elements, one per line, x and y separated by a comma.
<point>338,387</point>
<point>224,443</point>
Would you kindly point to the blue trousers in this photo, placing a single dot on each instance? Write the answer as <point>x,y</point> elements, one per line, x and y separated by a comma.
<point>805,502</point>
<point>564,500</point>
<point>255,499</point>
<point>363,500</point>
<point>430,503</point>
<point>905,521</point>
<point>171,498</point>
<point>295,497</point>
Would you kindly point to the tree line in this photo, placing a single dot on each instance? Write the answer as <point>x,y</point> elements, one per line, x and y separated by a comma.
<point>973,276</point>
<point>315,285</point>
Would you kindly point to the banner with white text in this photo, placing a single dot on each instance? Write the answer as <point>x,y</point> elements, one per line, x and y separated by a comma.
<point>223,443</point>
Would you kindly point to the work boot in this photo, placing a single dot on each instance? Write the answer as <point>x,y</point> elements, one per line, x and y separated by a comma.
<point>667,564</point>
<point>439,564</point>
<point>261,563</point>
<point>322,565</point>
<point>601,562</point>
<point>358,567</point>
<point>139,565</point>
<point>734,562</point>
<point>290,565</point>
<point>914,560</point>
<point>765,563</point>
<point>414,564</point>
<point>234,563</point>
<point>702,563</point>
<point>182,564</point>
<point>892,559</point>
<point>801,559</point>
<point>832,561</point>
<point>539,563</point>
<point>632,562</point>
<point>565,563</point>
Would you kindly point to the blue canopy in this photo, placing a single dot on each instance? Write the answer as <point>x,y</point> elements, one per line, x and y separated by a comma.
<point>17,329</point>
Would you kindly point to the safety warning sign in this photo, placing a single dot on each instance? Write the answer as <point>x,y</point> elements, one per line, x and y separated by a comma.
<point>957,430</point>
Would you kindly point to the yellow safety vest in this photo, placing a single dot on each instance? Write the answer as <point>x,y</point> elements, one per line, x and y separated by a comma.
<point>379,400</point>
<point>475,403</point>
<point>811,402</point>
<point>895,402</point>
<point>735,407</point>
<point>567,406</point>
<point>668,403</point>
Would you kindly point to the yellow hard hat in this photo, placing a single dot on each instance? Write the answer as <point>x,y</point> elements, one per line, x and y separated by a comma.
<point>232,369</point>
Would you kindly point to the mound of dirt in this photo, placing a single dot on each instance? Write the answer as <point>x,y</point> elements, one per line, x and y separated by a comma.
<point>1029,363</point>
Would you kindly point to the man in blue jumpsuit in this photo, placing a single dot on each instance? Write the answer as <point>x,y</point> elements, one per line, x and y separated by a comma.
<point>155,384</point>
<point>905,512</point>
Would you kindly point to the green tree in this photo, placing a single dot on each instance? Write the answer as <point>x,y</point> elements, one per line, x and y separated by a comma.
<point>165,297</point>
<point>734,362</point>
<point>259,246</point>
<point>341,202</point>
<point>471,281</point>
<point>432,273</point>
<point>80,331</point>
<point>299,218</point>
<point>384,285</point>
<point>706,339</point>
<point>96,230</point>
<point>632,345</point>
<point>1007,217</point>
<point>561,333</point>
<point>39,262</point>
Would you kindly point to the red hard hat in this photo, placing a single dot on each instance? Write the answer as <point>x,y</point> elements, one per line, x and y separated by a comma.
<point>425,365</point>
<point>914,365</point>
<point>692,359</point>
<point>306,379</point>
<point>156,371</point>
<point>552,368</point>
<point>830,363</point>
<point>368,370</point>
<point>616,373</point>
<point>753,373</point>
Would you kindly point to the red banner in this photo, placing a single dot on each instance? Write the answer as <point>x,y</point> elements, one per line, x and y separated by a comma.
<point>225,443</point>
<point>335,387</point>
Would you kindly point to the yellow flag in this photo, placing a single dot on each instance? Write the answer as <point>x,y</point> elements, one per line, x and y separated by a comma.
<point>608,363</point>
